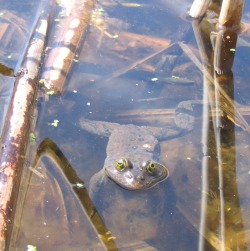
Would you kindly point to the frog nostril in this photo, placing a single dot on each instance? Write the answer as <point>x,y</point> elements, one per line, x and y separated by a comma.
<point>140,177</point>
<point>128,175</point>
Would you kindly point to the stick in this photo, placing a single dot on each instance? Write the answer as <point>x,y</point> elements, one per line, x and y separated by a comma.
<point>16,129</point>
<point>66,40</point>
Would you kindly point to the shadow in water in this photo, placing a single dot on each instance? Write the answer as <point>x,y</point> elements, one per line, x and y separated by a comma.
<point>65,175</point>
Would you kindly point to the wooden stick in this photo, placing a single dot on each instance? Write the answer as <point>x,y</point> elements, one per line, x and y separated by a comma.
<point>64,46</point>
<point>16,129</point>
<point>231,13</point>
<point>199,8</point>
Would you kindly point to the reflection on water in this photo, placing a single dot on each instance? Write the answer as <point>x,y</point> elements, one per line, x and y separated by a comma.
<point>5,90</point>
<point>144,63</point>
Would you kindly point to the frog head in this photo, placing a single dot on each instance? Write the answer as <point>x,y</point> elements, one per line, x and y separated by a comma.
<point>136,175</point>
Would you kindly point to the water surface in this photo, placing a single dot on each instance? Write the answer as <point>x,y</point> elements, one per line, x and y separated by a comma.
<point>116,80</point>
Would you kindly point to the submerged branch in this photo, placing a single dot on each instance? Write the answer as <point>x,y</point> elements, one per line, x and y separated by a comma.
<point>16,129</point>
<point>65,44</point>
<point>230,106</point>
<point>50,149</point>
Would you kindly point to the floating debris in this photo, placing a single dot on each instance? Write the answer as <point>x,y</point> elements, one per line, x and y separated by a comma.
<point>31,248</point>
<point>54,123</point>
<point>32,137</point>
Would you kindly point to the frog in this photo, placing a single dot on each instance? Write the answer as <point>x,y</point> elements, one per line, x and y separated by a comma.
<point>130,154</point>
<point>132,191</point>
<point>132,150</point>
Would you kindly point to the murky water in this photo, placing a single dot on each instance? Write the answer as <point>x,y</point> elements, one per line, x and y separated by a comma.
<point>135,67</point>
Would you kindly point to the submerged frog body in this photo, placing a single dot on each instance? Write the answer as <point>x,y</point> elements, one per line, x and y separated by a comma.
<point>129,191</point>
<point>132,151</point>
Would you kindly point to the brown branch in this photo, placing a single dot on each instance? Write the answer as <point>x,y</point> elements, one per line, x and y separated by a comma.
<point>16,129</point>
<point>66,41</point>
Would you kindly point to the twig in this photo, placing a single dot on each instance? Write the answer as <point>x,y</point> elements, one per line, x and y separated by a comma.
<point>124,70</point>
<point>16,129</point>
<point>198,8</point>
<point>66,41</point>
<point>238,118</point>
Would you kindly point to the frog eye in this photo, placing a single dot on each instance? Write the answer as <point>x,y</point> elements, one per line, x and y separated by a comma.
<point>120,165</point>
<point>151,167</point>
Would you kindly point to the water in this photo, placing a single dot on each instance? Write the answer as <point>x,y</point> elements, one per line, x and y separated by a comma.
<point>209,168</point>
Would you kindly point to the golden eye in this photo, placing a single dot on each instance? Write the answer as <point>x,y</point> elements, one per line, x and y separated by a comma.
<point>151,167</point>
<point>120,165</point>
